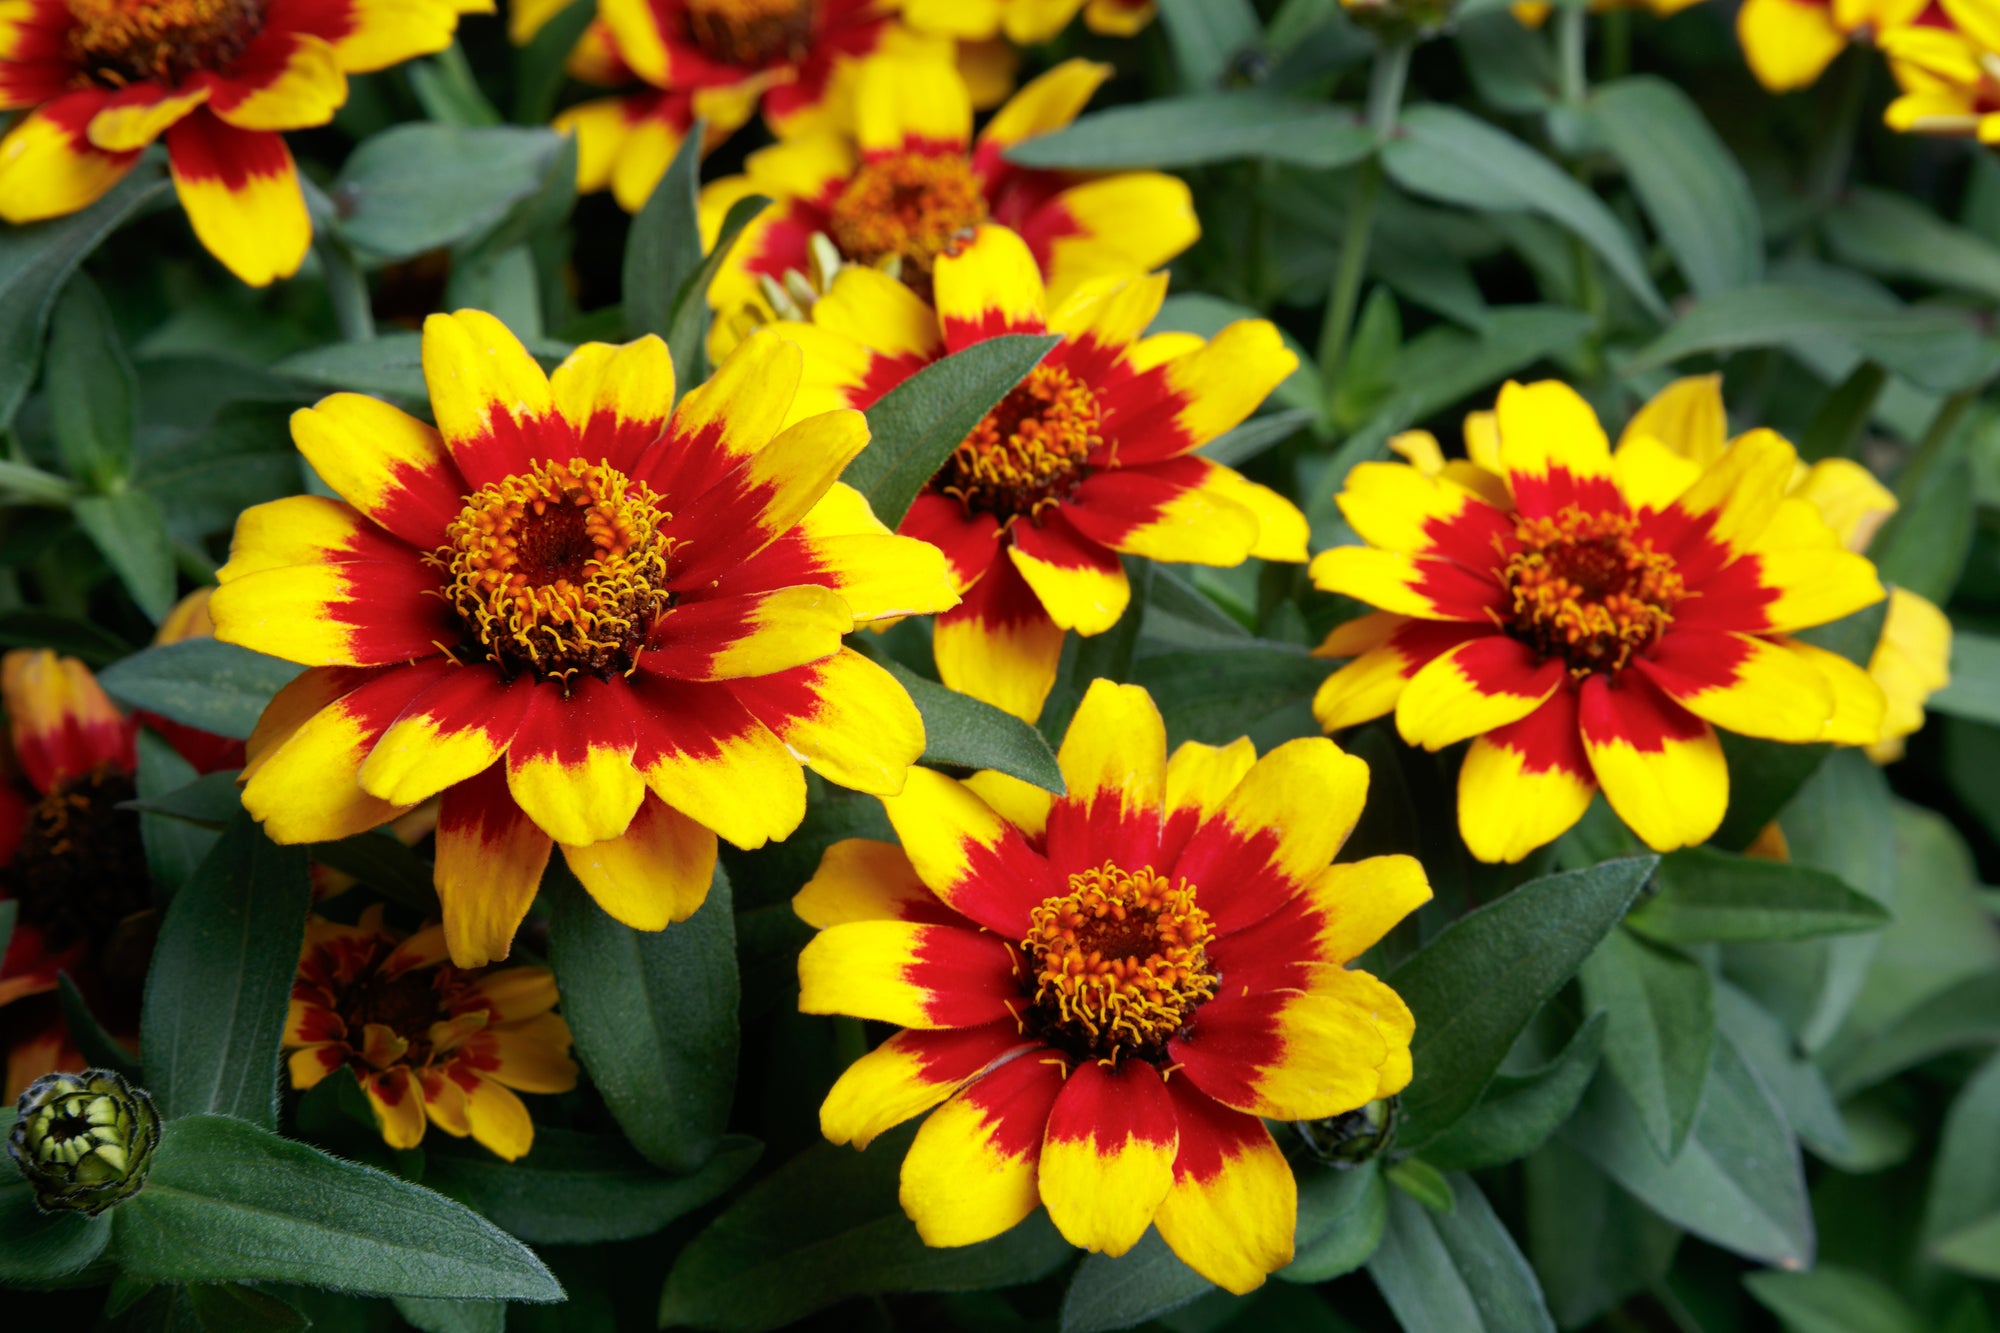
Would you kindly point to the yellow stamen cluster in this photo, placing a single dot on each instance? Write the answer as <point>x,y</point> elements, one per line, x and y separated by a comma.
<point>751,32</point>
<point>1589,590</point>
<point>560,569</point>
<point>910,206</point>
<point>1028,452</point>
<point>1120,961</point>
<point>118,42</point>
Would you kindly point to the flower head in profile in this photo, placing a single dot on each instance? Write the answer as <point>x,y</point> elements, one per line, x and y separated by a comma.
<point>1025,22</point>
<point>717,61</point>
<point>911,180</point>
<point>1948,67</point>
<point>1912,658</point>
<point>220,80</point>
<point>1107,989</point>
<point>1588,619</point>
<point>71,862</point>
<point>584,614</point>
<point>1789,43</point>
<point>1092,455</point>
<point>430,1043</point>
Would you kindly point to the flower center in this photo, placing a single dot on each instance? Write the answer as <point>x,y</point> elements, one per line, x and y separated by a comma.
<point>118,42</point>
<point>559,569</point>
<point>909,206</point>
<point>1120,962</point>
<point>1588,590</point>
<point>1029,451</point>
<point>81,868</point>
<point>751,32</point>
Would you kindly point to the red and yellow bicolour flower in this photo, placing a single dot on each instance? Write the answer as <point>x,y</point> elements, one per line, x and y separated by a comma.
<point>1587,619</point>
<point>219,79</point>
<point>717,61</point>
<point>1949,70</point>
<point>911,180</point>
<point>1091,455</point>
<point>1107,989</point>
<point>430,1043</point>
<point>1025,22</point>
<point>1789,43</point>
<point>1912,659</point>
<point>585,615</point>
<point>70,861</point>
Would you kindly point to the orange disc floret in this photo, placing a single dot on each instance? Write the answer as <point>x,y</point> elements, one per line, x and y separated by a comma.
<point>118,42</point>
<point>751,32</point>
<point>430,1043</point>
<point>1028,452</point>
<point>907,206</point>
<point>560,569</point>
<point>1589,589</point>
<point>1120,960</point>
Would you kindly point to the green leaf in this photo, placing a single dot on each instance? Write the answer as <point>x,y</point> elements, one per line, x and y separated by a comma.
<point>1974,691</point>
<point>1659,1008</point>
<point>1341,1218</point>
<point>379,860</point>
<point>131,532</point>
<point>584,1189</point>
<point>1456,1271</point>
<point>1206,35</point>
<point>228,1201</point>
<point>825,1227</point>
<point>36,261</point>
<point>962,730</point>
<point>1449,155</point>
<point>1695,194</point>
<point>1832,1300</point>
<point>448,91</point>
<point>210,802</point>
<point>221,977</point>
<point>1935,347</point>
<point>1793,1081</point>
<point>1924,545</point>
<point>914,427</point>
<point>1973,1249</point>
<point>388,366</point>
<point>418,187</point>
<point>435,1316</point>
<point>1145,1282</point>
<point>1476,985</point>
<point>687,336</point>
<point>1737,1181</point>
<point>1422,1182</point>
<point>227,1307</point>
<point>1964,1014</point>
<point>201,683</point>
<point>663,249</point>
<point>174,847</point>
<point>26,627</point>
<point>244,456</point>
<point>1510,64</point>
<point>91,387</point>
<point>1592,1243</point>
<point>98,1048</point>
<point>538,66</point>
<point>1218,694</point>
<point>36,1246</point>
<point>1896,237</point>
<point>654,1017</point>
<point>1179,132</point>
<point>1518,1112</point>
<point>1965,1178</point>
<point>1707,896</point>
<point>1235,447</point>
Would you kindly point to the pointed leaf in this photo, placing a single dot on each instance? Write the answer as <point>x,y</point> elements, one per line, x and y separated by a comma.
<point>1660,1008</point>
<point>1457,1271</point>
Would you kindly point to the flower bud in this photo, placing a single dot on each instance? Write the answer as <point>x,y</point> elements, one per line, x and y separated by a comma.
<point>84,1141</point>
<point>1351,1139</point>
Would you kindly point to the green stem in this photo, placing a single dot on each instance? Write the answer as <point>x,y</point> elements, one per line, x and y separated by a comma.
<point>1846,86</point>
<point>1571,21</point>
<point>1617,35</point>
<point>1385,99</point>
<point>1937,438</point>
<point>347,288</point>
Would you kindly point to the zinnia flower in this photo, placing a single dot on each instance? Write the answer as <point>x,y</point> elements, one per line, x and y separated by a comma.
<point>218,78</point>
<point>1106,990</point>
<point>1789,43</point>
<point>74,866</point>
<point>716,60</point>
<point>585,615</point>
<point>1092,455</point>
<point>429,1042</point>
<point>911,180</point>
<point>1025,22</point>
<point>1912,659</point>
<point>1588,619</point>
<point>1949,70</point>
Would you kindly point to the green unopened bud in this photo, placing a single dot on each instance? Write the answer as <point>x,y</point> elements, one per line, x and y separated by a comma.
<point>84,1141</point>
<point>1351,1139</point>
<point>1401,20</point>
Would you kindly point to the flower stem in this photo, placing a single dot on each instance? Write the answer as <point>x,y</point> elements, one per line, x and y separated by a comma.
<point>1846,87</point>
<point>1571,21</point>
<point>1385,98</point>
<point>347,288</point>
